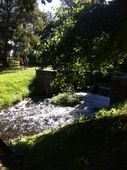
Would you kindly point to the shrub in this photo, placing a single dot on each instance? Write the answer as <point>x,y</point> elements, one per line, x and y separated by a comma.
<point>66,99</point>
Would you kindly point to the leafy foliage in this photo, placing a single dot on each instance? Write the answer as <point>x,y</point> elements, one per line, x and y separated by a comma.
<point>21,24</point>
<point>90,33</point>
<point>65,99</point>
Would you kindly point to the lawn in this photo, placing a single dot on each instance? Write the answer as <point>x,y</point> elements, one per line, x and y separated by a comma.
<point>14,85</point>
<point>98,143</point>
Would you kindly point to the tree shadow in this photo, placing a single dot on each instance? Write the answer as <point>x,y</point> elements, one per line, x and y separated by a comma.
<point>92,145</point>
<point>35,92</point>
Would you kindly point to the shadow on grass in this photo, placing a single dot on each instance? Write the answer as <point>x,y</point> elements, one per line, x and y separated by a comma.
<point>34,88</point>
<point>97,144</point>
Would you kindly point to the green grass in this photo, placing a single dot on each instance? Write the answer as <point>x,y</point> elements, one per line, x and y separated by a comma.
<point>97,143</point>
<point>116,110</point>
<point>14,85</point>
<point>65,99</point>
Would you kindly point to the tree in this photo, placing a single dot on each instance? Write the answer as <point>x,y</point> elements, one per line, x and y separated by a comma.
<point>27,36</point>
<point>93,33</point>
<point>87,36</point>
<point>6,29</point>
<point>19,18</point>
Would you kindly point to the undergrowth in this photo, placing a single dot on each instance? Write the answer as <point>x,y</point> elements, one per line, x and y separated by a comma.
<point>66,99</point>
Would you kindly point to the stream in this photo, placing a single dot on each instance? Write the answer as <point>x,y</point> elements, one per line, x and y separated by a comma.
<point>34,115</point>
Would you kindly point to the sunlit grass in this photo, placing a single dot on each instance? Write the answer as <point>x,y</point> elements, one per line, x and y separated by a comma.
<point>14,86</point>
<point>116,110</point>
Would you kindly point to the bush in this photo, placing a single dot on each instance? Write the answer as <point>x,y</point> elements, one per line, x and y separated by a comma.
<point>66,99</point>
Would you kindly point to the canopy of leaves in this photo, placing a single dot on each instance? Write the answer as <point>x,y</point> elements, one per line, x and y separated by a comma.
<point>88,33</point>
<point>20,25</point>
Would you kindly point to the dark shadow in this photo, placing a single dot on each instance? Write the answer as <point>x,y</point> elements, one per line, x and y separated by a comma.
<point>92,145</point>
<point>99,90</point>
<point>34,88</point>
<point>35,92</point>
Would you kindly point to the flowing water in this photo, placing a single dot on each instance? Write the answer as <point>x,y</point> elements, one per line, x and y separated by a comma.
<point>36,115</point>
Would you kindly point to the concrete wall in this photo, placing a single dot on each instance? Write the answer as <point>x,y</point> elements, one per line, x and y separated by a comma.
<point>44,79</point>
<point>119,88</point>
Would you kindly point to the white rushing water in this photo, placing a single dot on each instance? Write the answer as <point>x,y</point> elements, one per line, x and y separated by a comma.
<point>33,116</point>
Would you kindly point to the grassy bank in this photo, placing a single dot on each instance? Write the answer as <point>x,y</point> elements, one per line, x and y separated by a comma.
<point>14,85</point>
<point>98,143</point>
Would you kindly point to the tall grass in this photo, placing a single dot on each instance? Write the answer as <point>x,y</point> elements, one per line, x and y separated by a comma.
<point>14,86</point>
